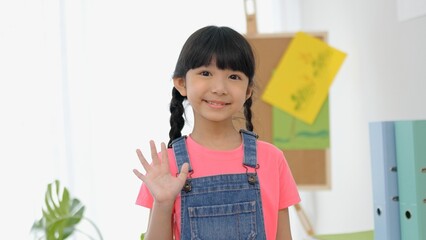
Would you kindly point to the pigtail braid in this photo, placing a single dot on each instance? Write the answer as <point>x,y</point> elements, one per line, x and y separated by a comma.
<point>248,113</point>
<point>177,120</point>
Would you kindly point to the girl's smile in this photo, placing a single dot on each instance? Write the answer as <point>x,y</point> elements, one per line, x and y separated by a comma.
<point>216,104</point>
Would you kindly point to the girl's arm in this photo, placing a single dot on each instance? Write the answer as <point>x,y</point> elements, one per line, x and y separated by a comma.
<point>283,230</point>
<point>156,227</point>
<point>164,188</point>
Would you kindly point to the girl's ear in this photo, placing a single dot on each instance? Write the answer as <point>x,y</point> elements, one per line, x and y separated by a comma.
<point>249,92</point>
<point>179,84</point>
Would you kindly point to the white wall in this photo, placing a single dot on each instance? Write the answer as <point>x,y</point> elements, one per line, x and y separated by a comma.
<point>82,85</point>
<point>76,84</point>
<point>382,78</point>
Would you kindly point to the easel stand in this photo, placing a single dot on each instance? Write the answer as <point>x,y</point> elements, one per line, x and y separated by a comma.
<point>269,50</point>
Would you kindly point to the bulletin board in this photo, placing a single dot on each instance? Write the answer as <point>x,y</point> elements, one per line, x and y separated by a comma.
<point>310,167</point>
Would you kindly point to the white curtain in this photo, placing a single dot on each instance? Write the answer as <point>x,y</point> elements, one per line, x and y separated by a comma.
<point>84,83</point>
<point>34,128</point>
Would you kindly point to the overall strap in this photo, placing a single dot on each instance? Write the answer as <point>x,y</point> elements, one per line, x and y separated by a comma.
<point>250,148</point>
<point>181,152</point>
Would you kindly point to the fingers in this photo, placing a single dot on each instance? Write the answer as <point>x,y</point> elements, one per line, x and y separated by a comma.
<point>139,174</point>
<point>154,153</point>
<point>164,156</point>
<point>143,161</point>
<point>183,172</point>
<point>157,165</point>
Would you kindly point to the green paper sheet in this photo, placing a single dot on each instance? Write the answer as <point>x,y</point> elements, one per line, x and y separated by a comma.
<point>291,134</point>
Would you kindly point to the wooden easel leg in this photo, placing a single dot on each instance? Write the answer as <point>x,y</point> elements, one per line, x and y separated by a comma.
<point>304,220</point>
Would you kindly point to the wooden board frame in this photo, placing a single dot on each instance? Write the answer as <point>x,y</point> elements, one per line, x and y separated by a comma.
<point>310,168</point>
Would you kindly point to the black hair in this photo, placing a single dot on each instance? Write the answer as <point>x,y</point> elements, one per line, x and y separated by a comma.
<point>230,49</point>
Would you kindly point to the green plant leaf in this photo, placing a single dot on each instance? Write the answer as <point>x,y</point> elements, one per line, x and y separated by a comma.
<point>49,213</point>
<point>61,213</point>
<point>64,205</point>
<point>38,225</point>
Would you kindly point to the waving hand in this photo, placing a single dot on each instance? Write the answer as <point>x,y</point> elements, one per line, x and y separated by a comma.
<point>163,186</point>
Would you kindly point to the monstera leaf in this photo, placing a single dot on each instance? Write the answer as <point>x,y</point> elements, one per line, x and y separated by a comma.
<point>61,214</point>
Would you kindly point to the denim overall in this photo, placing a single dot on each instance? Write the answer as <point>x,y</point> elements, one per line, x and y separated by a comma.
<point>222,206</point>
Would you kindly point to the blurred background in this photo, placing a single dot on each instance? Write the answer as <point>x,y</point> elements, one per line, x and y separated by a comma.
<point>84,83</point>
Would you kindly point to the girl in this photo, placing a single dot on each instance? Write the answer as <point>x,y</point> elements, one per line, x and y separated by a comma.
<point>230,185</point>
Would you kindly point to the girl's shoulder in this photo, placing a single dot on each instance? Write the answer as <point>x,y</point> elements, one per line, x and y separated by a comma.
<point>267,149</point>
<point>267,146</point>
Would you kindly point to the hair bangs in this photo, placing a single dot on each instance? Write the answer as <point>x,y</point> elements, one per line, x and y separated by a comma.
<point>227,47</point>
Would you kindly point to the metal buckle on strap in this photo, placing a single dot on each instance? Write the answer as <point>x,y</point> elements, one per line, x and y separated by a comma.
<point>251,177</point>
<point>187,187</point>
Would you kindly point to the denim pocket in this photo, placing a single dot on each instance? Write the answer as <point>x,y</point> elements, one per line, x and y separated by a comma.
<point>227,221</point>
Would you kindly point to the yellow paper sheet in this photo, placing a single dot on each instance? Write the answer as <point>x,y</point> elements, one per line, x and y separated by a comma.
<point>300,83</point>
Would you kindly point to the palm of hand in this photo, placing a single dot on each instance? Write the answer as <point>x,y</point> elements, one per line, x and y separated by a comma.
<point>163,186</point>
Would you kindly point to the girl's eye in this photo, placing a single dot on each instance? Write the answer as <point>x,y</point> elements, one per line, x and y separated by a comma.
<point>205,73</point>
<point>235,77</point>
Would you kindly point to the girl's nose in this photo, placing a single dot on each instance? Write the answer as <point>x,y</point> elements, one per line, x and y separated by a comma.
<point>219,86</point>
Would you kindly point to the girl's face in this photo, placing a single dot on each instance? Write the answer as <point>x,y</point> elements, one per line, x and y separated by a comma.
<point>214,94</point>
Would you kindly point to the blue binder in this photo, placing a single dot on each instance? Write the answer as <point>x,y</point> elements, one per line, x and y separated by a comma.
<point>385,181</point>
<point>411,163</point>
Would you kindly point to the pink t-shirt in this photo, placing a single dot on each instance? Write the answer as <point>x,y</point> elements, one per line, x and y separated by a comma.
<point>277,187</point>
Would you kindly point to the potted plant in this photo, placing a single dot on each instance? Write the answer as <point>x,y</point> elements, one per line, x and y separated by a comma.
<point>61,215</point>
